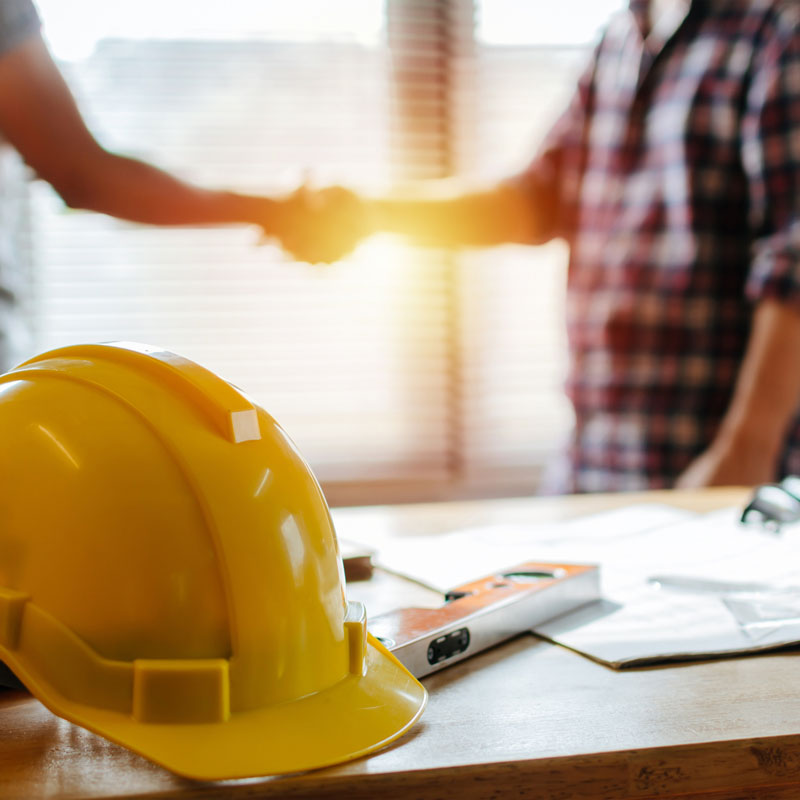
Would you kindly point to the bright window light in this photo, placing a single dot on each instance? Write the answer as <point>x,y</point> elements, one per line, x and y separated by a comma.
<point>542,22</point>
<point>73,28</point>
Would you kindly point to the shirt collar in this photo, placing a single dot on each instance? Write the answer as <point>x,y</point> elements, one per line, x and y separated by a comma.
<point>664,26</point>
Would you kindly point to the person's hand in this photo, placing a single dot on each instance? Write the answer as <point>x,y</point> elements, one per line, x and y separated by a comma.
<point>740,463</point>
<point>321,226</point>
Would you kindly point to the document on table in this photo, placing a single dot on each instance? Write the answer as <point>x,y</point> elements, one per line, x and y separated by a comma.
<point>724,588</point>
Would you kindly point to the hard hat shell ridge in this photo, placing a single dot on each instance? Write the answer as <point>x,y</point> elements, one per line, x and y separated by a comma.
<point>170,576</point>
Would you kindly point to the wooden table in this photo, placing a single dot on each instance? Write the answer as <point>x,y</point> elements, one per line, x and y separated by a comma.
<point>526,719</point>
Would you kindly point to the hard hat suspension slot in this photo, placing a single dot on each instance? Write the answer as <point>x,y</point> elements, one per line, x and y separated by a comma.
<point>12,605</point>
<point>355,624</point>
<point>173,690</point>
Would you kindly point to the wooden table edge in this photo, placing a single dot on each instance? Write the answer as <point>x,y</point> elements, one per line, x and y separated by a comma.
<point>717,770</point>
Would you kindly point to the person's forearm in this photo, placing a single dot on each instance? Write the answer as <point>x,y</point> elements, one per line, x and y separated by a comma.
<point>39,117</point>
<point>766,396</point>
<point>480,219</point>
<point>767,392</point>
<point>139,192</point>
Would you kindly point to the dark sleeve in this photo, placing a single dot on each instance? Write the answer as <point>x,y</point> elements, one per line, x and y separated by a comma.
<point>771,158</point>
<point>18,21</point>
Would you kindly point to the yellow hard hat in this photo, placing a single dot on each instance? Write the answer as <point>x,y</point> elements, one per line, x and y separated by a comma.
<point>169,573</point>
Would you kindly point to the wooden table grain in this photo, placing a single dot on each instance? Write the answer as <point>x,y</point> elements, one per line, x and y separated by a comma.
<point>527,719</point>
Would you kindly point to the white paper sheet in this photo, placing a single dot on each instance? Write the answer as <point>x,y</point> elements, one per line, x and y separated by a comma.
<point>637,622</point>
<point>642,623</point>
<point>443,561</point>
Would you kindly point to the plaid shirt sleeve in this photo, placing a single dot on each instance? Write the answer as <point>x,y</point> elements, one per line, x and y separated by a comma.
<point>770,141</point>
<point>18,21</point>
<point>552,179</point>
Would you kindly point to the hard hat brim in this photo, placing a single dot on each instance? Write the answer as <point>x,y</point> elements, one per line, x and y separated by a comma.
<point>358,715</point>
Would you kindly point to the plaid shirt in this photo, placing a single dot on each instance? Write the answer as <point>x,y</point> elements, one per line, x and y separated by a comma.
<point>674,175</point>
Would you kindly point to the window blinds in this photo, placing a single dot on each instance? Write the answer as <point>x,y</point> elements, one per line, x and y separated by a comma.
<point>327,351</point>
<point>400,373</point>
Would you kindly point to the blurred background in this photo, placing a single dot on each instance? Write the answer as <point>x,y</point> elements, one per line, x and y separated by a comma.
<point>401,374</point>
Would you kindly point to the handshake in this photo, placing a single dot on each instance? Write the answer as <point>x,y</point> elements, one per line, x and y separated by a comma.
<point>319,226</point>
